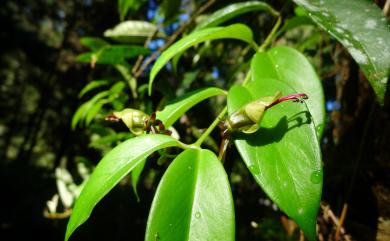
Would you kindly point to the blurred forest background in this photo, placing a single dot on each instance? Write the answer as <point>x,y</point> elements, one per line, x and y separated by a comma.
<point>41,78</point>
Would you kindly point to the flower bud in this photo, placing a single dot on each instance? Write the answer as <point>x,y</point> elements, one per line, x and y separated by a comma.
<point>247,119</point>
<point>135,120</point>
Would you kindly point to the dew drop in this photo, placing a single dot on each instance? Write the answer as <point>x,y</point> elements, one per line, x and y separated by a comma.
<point>170,225</point>
<point>254,169</point>
<point>276,66</point>
<point>300,211</point>
<point>189,167</point>
<point>198,215</point>
<point>319,128</point>
<point>316,177</point>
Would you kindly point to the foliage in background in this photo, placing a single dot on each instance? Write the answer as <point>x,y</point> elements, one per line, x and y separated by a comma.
<point>280,167</point>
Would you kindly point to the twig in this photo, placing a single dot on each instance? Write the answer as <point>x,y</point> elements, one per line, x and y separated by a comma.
<point>341,221</point>
<point>141,57</point>
<point>172,39</point>
<point>386,7</point>
<point>271,35</point>
<point>329,213</point>
<point>211,127</point>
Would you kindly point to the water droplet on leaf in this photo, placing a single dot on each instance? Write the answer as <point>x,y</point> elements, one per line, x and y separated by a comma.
<point>198,215</point>
<point>300,211</point>
<point>316,177</point>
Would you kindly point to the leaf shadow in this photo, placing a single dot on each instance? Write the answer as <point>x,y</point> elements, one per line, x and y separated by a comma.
<point>265,136</point>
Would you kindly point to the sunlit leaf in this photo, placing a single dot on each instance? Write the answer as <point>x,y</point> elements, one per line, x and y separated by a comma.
<point>113,54</point>
<point>92,85</point>
<point>234,10</point>
<point>362,28</point>
<point>125,70</point>
<point>111,169</point>
<point>284,154</point>
<point>93,111</point>
<point>291,67</point>
<point>235,31</point>
<point>177,107</point>
<point>93,43</point>
<point>133,31</point>
<point>82,111</point>
<point>193,201</point>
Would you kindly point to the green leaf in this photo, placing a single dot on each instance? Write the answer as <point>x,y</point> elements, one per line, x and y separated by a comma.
<point>235,31</point>
<point>170,9</point>
<point>284,155</point>
<point>115,54</point>
<point>291,67</point>
<point>177,107</point>
<point>125,70</point>
<point>124,6</point>
<point>135,175</point>
<point>93,43</point>
<point>92,85</point>
<point>234,10</point>
<point>133,32</point>
<point>92,112</point>
<point>362,28</point>
<point>193,201</point>
<point>111,169</point>
<point>82,111</point>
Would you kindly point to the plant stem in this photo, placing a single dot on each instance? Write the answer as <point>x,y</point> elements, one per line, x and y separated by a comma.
<point>203,137</point>
<point>271,35</point>
<point>247,78</point>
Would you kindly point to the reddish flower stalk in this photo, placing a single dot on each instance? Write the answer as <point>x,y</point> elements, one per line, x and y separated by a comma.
<point>298,97</point>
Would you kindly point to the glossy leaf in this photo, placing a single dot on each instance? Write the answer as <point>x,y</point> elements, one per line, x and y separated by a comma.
<point>235,31</point>
<point>91,86</point>
<point>234,10</point>
<point>94,110</point>
<point>291,67</point>
<point>284,154</point>
<point>83,110</point>
<point>177,107</point>
<point>125,70</point>
<point>132,31</point>
<point>193,201</point>
<point>113,54</point>
<point>111,169</point>
<point>362,28</point>
<point>93,43</point>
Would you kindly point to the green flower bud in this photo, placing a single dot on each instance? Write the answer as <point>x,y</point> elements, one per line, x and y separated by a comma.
<point>247,119</point>
<point>135,120</point>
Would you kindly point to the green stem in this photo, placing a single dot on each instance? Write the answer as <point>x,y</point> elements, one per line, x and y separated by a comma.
<point>203,137</point>
<point>271,35</point>
<point>247,77</point>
